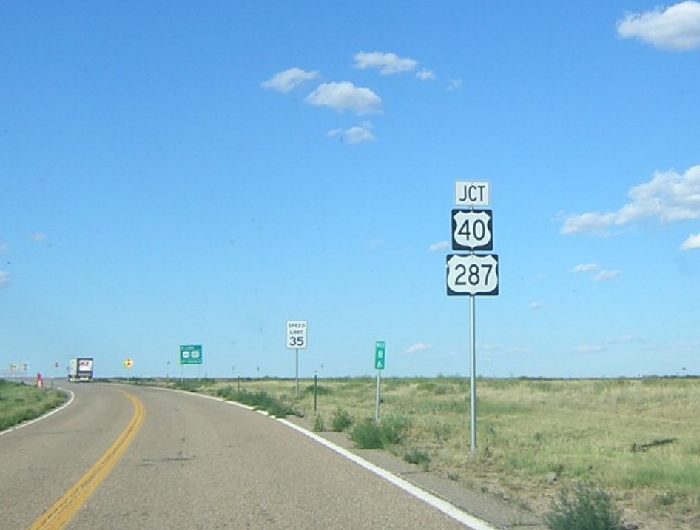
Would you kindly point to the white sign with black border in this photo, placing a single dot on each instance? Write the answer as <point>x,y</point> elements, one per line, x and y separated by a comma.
<point>473,193</point>
<point>472,230</point>
<point>296,334</point>
<point>472,274</point>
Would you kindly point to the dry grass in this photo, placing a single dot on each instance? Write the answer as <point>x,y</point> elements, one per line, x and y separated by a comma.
<point>537,435</point>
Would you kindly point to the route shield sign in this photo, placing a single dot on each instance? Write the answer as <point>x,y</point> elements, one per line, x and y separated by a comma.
<point>380,355</point>
<point>191,354</point>
<point>472,274</point>
<point>472,230</point>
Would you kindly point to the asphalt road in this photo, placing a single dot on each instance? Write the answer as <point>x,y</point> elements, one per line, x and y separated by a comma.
<point>194,464</point>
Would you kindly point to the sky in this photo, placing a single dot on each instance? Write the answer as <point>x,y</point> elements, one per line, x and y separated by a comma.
<point>202,172</point>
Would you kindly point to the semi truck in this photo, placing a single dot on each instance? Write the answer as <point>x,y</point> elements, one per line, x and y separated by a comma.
<point>80,369</point>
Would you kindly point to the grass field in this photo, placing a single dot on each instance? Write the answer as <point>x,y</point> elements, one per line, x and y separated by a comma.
<point>19,402</point>
<point>639,439</point>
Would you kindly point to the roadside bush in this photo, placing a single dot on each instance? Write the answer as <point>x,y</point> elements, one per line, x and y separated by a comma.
<point>259,400</point>
<point>587,507</point>
<point>393,428</point>
<point>425,386</point>
<point>320,390</point>
<point>319,423</point>
<point>418,457</point>
<point>367,435</point>
<point>370,435</point>
<point>340,420</point>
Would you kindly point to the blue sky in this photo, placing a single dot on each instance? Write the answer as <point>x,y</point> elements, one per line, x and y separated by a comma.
<point>202,172</point>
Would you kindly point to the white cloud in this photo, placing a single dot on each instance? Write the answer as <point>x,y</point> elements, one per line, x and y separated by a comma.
<point>375,243</point>
<point>426,75</point>
<point>4,278</point>
<point>668,197</point>
<point>39,237</point>
<point>586,267</point>
<point>454,84</point>
<point>520,351</point>
<point>691,243</point>
<point>3,247</point>
<point>388,63</point>
<point>354,135</point>
<point>536,305</point>
<point>440,245</point>
<point>589,348</point>
<point>418,347</point>
<point>605,276</point>
<point>289,79</point>
<point>624,339</point>
<point>345,96</point>
<point>674,28</point>
<point>487,347</point>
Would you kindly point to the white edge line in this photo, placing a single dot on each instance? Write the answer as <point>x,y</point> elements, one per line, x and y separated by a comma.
<point>436,502</point>
<point>49,413</point>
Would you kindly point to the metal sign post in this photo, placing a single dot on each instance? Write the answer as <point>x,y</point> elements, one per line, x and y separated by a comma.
<point>472,274</point>
<point>472,340</point>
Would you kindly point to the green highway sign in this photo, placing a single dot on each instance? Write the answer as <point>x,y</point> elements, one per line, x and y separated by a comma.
<point>380,355</point>
<point>191,354</point>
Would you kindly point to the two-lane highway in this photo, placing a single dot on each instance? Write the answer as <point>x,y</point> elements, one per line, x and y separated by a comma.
<point>194,463</point>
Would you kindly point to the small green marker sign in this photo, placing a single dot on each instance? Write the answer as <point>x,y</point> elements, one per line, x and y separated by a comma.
<point>191,354</point>
<point>380,355</point>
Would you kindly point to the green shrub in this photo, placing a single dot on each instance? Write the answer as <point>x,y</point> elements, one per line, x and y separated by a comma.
<point>418,457</point>
<point>340,420</point>
<point>587,507</point>
<point>425,386</point>
<point>441,390</point>
<point>370,435</point>
<point>320,390</point>
<point>259,400</point>
<point>319,423</point>
<point>393,428</point>
<point>367,435</point>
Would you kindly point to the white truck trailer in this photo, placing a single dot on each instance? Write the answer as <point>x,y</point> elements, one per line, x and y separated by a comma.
<point>80,369</point>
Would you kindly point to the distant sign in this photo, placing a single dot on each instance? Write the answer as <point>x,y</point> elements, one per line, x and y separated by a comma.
<point>380,355</point>
<point>472,274</point>
<point>472,230</point>
<point>296,334</point>
<point>472,194</point>
<point>191,354</point>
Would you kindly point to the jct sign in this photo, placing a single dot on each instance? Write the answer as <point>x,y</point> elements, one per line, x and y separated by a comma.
<point>472,193</point>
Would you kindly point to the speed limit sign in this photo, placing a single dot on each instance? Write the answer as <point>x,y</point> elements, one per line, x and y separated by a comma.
<point>472,274</point>
<point>472,230</point>
<point>296,334</point>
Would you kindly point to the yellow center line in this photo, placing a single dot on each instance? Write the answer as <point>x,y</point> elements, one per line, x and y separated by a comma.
<point>67,507</point>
